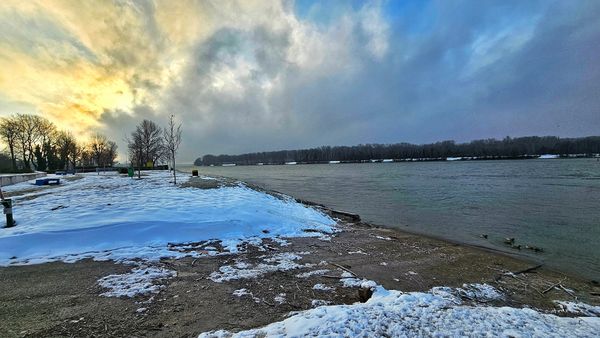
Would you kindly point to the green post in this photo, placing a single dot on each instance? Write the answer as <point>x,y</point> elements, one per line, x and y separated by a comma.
<point>7,203</point>
<point>130,172</point>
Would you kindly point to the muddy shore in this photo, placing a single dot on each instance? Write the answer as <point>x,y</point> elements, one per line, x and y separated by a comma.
<point>63,299</point>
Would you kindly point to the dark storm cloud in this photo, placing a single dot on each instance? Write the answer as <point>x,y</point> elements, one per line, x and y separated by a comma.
<point>446,70</point>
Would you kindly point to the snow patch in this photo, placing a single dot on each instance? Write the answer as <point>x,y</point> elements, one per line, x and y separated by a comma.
<point>381,237</point>
<point>280,298</point>
<point>319,302</point>
<point>548,156</point>
<point>242,270</point>
<point>280,241</point>
<point>323,287</point>
<point>312,273</point>
<point>245,292</point>
<point>140,281</point>
<point>578,308</point>
<point>397,314</point>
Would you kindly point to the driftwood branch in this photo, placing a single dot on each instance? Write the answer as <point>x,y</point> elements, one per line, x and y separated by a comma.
<point>519,272</point>
<point>345,269</point>
<point>332,277</point>
<point>530,269</point>
<point>567,291</point>
<point>553,286</point>
<point>270,304</point>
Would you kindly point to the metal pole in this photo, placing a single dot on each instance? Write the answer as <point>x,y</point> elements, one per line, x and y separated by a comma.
<point>7,203</point>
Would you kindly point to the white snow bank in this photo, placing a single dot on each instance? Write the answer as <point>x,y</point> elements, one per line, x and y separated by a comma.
<point>111,217</point>
<point>548,156</point>
<point>139,281</point>
<point>420,314</point>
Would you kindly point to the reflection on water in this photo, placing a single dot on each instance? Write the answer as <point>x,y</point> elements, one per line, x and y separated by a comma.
<point>553,204</point>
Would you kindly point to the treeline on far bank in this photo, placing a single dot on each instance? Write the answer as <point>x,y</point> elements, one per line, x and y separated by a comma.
<point>520,147</point>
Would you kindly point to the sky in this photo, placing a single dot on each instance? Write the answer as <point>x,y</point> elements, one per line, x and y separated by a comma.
<point>244,76</point>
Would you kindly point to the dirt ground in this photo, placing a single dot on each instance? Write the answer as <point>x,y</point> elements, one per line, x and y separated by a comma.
<point>63,300</point>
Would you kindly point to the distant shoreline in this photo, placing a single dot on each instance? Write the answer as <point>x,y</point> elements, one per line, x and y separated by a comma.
<point>438,159</point>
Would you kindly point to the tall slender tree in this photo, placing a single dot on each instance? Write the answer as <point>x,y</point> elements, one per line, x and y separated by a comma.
<point>172,139</point>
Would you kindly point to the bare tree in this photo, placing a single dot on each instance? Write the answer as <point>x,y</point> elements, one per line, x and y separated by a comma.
<point>172,138</point>
<point>151,140</point>
<point>31,131</point>
<point>65,143</point>
<point>136,150</point>
<point>111,153</point>
<point>8,132</point>
<point>146,144</point>
<point>98,145</point>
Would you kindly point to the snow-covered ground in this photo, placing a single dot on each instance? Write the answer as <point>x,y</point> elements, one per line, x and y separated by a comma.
<point>440,312</point>
<point>111,217</point>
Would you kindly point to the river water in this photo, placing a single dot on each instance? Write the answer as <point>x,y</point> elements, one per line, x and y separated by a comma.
<point>549,203</point>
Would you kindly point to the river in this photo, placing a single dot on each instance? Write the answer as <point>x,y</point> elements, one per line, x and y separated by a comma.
<point>553,204</point>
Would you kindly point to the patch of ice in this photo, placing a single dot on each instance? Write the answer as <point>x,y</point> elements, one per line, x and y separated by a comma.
<point>322,287</point>
<point>578,308</point>
<point>397,314</point>
<point>140,281</point>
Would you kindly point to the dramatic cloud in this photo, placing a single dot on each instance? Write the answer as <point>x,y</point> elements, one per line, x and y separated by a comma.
<point>249,76</point>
